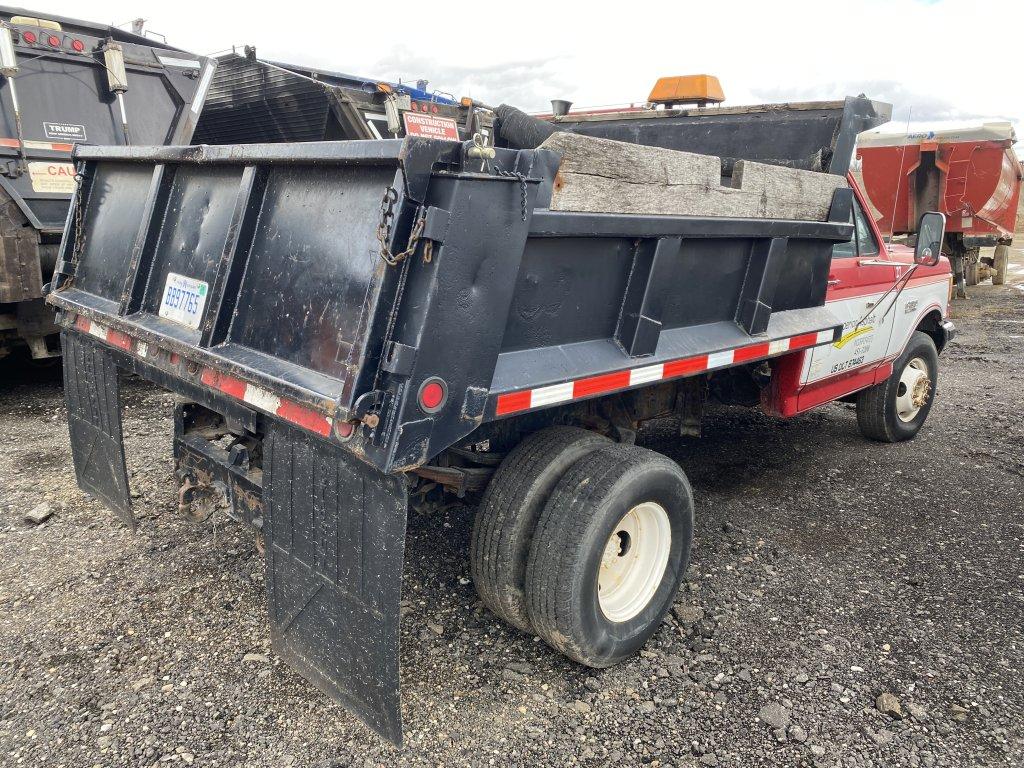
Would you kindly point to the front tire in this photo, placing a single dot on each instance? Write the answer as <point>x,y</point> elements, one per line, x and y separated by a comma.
<point>610,549</point>
<point>896,409</point>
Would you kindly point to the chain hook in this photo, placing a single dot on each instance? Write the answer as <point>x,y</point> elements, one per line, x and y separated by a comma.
<point>387,218</point>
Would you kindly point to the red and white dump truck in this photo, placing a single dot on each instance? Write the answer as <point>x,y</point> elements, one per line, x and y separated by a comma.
<point>970,173</point>
<point>353,321</point>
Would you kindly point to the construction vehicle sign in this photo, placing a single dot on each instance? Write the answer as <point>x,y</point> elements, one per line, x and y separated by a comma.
<point>54,178</point>
<point>431,126</point>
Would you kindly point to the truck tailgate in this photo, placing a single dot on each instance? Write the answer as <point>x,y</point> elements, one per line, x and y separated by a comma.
<point>253,261</point>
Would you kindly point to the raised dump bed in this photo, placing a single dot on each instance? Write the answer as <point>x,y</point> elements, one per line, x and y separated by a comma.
<point>361,320</point>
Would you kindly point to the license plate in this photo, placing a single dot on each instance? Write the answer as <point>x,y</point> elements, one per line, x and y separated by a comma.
<point>184,300</point>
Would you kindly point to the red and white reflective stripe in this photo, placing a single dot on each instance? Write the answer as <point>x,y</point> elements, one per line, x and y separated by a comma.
<point>524,400</point>
<point>55,146</point>
<point>109,335</point>
<point>299,415</point>
<point>267,401</point>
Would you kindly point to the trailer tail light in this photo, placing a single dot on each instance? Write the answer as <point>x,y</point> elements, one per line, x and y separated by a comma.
<point>78,46</point>
<point>29,37</point>
<point>54,41</point>
<point>433,394</point>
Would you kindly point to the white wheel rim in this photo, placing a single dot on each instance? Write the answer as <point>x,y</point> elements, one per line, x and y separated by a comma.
<point>913,390</point>
<point>634,561</point>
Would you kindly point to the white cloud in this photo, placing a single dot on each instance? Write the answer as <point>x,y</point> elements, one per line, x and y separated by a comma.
<point>944,59</point>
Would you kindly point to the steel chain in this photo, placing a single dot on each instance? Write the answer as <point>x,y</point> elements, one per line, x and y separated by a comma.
<point>79,243</point>
<point>387,219</point>
<point>522,185</point>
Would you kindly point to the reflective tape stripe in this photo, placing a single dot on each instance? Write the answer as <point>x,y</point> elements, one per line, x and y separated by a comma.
<point>646,374</point>
<point>263,399</point>
<point>607,382</point>
<point>54,146</point>
<point>559,393</point>
<point>720,359</point>
<point>527,399</point>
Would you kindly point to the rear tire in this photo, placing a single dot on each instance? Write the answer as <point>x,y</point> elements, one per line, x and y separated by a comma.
<point>610,549</point>
<point>508,513</point>
<point>896,409</point>
<point>1000,261</point>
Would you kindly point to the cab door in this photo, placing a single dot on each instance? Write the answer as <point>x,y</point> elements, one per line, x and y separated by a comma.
<point>860,274</point>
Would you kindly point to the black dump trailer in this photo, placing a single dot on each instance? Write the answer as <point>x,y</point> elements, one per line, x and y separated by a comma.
<point>252,101</point>
<point>357,324</point>
<point>66,83</point>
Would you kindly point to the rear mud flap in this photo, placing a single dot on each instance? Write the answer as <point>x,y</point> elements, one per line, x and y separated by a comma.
<point>93,396</point>
<point>335,537</point>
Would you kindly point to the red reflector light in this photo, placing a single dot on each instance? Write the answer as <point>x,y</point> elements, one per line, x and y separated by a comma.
<point>78,45</point>
<point>54,41</point>
<point>434,109</point>
<point>433,393</point>
<point>29,37</point>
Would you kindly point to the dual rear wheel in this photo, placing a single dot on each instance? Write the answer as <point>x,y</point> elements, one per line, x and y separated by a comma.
<point>584,542</point>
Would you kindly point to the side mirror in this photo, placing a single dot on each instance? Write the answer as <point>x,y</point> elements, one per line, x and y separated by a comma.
<point>929,239</point>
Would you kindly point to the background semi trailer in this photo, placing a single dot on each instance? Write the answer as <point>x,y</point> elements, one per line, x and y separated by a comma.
<point>252,101</point>
<point>64,83</point>
<point>970,173</point>
<point>358,323</point>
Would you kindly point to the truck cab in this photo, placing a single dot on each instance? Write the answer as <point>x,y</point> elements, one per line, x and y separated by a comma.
<point>879,319</point>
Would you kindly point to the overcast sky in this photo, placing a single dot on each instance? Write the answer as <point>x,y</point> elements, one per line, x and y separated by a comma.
<point>939,60</point>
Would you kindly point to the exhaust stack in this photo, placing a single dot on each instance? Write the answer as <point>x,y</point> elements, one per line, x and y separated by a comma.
<point>560,107</point>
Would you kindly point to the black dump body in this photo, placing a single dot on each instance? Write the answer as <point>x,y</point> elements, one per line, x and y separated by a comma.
<point>814,136</point>
<point>253,101</point>
<point>65,100</point>
<point>527,304</point>
<point>309,295</point>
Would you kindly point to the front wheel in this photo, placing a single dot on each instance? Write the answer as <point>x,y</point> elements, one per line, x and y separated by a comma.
<point>610,549</point>
<point>896,409</point>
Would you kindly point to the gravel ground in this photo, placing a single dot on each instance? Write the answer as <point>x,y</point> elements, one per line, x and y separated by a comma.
<point>848,604</point>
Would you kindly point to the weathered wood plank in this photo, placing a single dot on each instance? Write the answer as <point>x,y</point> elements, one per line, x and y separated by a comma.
<point>604,176</point>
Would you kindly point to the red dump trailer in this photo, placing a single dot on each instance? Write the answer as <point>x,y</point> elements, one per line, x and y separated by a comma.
<point>970,173</point>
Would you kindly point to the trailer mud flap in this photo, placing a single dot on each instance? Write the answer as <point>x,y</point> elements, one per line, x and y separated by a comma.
<point>335,537</point>
<point>93,396</point>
